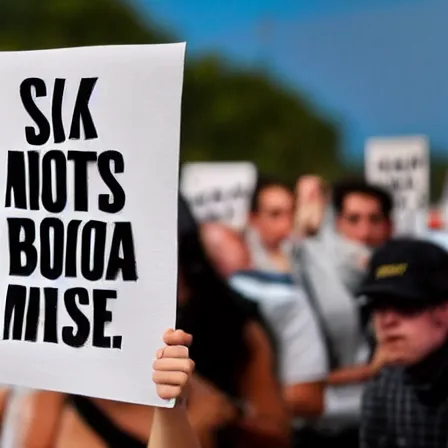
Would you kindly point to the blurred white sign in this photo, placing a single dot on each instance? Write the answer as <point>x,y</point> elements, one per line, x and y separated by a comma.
<point>402,165</point>
<point>219,191</point>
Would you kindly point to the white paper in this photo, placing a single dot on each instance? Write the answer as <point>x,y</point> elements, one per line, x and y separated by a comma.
<point>219,191</point>
<point>135,108</point>
<point>402,165</point>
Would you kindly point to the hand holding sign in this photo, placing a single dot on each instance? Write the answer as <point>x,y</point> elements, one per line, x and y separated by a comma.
<point>173,367</point>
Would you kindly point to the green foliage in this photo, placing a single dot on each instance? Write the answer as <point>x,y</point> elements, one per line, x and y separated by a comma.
<point>439,170</point>
<point>40,24</point>
<point>231,114</point>
<point>227,114</point>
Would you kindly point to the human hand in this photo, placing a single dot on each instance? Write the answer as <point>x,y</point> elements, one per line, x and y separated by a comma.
<point>311,203</point>
<point>384,356</point>
<point>310,188</point>
<point>173,367</point>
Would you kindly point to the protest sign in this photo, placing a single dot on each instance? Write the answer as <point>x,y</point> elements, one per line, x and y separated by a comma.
<point>219,191</point>
<point>402,165</point>
<point>88,228</point>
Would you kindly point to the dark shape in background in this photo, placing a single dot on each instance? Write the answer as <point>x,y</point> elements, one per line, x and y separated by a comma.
<point>228,113</point>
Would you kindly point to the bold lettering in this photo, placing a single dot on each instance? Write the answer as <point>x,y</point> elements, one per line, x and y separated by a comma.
<point>56,111</point>
<point>122,238</point>
<point>16,180</point>
<point>33,137</point>
<point>105,203</point>
<point>69,335</point>
<point>101,317</point>
<point>32,315</point>
<point>47,248</point>
<point>34,179</point>
<point>51,315</point>
<point>15,306</point>
<point>82,112</point>
<point>70,251</point>
<point>116,341</point>
<point>17,247</point>
<point>81,160</point>
<point>98,245</point>
<point>60,173</point>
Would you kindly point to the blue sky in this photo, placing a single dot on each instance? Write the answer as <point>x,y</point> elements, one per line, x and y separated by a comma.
<point>378,66</point>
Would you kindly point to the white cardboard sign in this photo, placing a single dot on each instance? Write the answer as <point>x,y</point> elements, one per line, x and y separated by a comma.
<point>88,223</point>
<point>402,165</point>
<point>219,191</point>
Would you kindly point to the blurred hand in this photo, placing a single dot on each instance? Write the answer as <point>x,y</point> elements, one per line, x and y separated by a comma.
<point>208,408</point>
<point>384,356</point>
<point>173,367</point>
<point>310,188</point>
<point>311,203</point>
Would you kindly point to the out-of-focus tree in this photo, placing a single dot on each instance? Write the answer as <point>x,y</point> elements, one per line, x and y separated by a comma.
<point>231,114</point>
<point>40,24</point>
<point>228,114</point>
<point>439,171</point>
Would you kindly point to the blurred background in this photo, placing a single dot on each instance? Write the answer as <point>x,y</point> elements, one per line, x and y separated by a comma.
<point>295,86</point>
<point>309,94</point>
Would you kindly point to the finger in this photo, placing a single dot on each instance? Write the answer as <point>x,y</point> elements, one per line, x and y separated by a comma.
<point>174,365</point>
<point>178,337</point>
<point>167,392</point>
<point>170,378</point>
<point>159,353</point>
<point>175,351</point>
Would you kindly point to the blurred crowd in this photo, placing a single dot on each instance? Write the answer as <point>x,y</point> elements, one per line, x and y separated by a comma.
<point>301,260</point>
<point>289,351</point>
<point>283,348</point>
